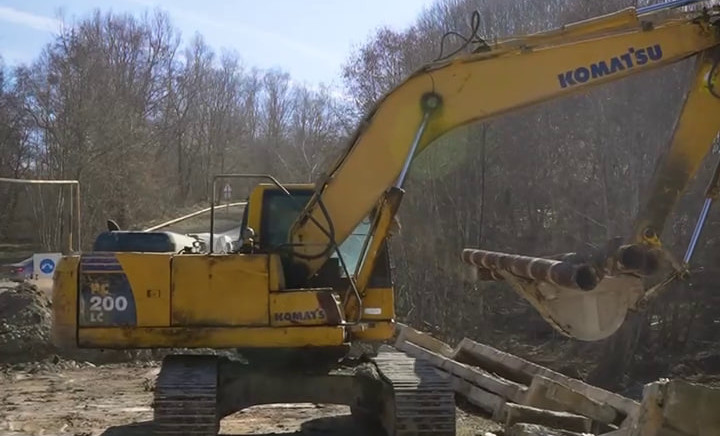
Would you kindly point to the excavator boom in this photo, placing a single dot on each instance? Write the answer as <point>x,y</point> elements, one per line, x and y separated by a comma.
<point>514,74</point>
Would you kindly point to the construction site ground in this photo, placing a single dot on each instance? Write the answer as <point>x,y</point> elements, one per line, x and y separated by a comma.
<point>114,400</point>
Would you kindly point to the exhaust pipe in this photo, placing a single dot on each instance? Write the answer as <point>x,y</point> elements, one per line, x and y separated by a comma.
<point>557,272</point>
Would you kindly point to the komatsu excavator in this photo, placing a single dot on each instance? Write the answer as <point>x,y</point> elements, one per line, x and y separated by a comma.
<point>310,274</point>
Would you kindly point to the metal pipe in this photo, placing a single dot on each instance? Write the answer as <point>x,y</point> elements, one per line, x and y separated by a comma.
<point>40,182</point>
<point>188,216</point>
<point>577,276</point>
<point>667,5</point>
<point>712,191</point>
<point>212,217</point>
<point>235,176</point>
<point>71,206</point>
<point>429,103</point>
<point>411,154</point>
<point>637,258</point>
<point>79,221</point>
<point>72,183</point>
<point>698,229</point>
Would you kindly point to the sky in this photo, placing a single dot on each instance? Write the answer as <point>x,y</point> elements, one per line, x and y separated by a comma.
<point>310,39</point>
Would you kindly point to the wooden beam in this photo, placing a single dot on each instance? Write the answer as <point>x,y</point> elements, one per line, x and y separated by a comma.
<point>504,388</point>
<point>518,414</point>
<point>552,395</point>
<point>409,334</point>
<point>522,371</point>
<point>489,402</point>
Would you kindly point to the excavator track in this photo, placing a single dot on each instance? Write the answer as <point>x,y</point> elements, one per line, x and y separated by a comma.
<point>424,401</point>
<point>185,401</point>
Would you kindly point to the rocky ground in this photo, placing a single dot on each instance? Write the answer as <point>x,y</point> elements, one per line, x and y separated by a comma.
<point>46,391</point>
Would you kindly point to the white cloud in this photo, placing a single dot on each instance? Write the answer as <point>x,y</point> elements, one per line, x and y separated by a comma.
<point>38,22</point>
<point>282,40</point>
<point>144,2</point>
<point>272,37</point>
<point>204,21</point>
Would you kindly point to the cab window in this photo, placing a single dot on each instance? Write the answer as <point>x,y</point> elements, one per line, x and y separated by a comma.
<point>279,213</point>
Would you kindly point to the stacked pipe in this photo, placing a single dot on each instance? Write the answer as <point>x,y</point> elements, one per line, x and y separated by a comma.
<point>567,270</point>
<point>561,273</point>
<point>638,259</point>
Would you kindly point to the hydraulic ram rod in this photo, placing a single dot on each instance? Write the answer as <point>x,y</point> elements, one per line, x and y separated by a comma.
<point>667,5</point>
<point>712,192</point>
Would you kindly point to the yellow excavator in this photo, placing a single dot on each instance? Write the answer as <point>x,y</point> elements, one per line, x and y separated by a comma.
<point>309,275</point>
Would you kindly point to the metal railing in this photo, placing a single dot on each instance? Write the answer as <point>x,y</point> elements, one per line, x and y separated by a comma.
<point>70,183</point>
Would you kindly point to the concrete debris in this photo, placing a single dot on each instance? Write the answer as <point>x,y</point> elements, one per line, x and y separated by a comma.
<point>516,413</point>
<point>25,343</point>
<point>678,408</point>
<point>531,400</point>
<point>25,319</point>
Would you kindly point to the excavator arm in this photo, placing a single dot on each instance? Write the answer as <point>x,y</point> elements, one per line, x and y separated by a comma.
<point>511,75</point>
<point>693,137</point>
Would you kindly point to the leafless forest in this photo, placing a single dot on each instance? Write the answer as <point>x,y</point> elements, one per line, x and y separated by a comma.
<point>144,120</point>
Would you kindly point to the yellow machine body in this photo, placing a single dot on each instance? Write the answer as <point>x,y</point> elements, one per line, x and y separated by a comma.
<point>139,300</point>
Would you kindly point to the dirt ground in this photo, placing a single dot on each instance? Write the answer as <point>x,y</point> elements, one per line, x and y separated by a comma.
<point>114,400</point>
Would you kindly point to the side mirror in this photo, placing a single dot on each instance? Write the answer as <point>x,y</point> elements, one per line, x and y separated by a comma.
<point>247,239</point>
<point>247,233</point>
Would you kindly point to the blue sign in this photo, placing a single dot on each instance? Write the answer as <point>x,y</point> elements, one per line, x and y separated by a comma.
<point>47,266</point>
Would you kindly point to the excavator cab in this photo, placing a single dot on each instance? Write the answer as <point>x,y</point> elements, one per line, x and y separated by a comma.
<point>266,222</point>
<point>269,214</point>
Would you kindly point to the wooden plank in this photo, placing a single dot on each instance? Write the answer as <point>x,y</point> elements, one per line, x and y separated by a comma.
<point>409,334</point>
<point>518,414</point>
<point>522,371</point>
<point>552,395</point>
<point>504,388</point>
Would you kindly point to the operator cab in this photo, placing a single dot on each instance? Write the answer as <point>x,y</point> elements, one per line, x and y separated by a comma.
<point>265,227</point>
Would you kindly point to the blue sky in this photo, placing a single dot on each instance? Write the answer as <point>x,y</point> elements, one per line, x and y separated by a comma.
<point>310,39</point>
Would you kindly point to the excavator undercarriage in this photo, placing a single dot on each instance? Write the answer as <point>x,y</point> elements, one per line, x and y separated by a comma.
<point>390,391</point>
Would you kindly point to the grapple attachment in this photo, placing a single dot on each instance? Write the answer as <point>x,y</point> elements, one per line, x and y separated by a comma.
<point>583,297</point>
